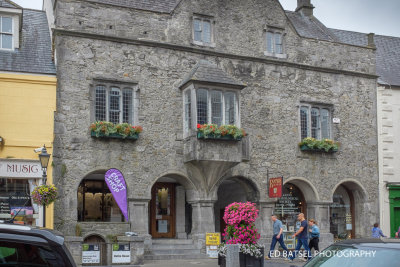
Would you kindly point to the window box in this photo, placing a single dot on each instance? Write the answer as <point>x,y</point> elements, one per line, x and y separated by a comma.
<point>314,145</point>
<point>114,136</point>
<point>223,132</point>
<point>201,135</point>
<point>104,129</point>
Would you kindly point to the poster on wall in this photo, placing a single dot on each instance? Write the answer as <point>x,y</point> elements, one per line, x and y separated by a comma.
<point>275,187</point>
<point>121,253</point>
<point>116,183</point>
<point>90,253</point>
<point>213,240</point>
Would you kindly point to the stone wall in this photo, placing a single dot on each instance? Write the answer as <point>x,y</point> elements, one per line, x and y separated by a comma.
<point>315,72</point>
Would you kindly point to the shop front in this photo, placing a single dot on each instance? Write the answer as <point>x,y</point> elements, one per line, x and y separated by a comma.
<point>18,178</point>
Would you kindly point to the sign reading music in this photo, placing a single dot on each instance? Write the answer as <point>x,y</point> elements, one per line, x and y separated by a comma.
<point>275,187</point>
<point>20,169</point>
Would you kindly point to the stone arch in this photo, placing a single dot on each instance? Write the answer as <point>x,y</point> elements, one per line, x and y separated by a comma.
<point>360,207</point>
<point>97,172</point>
<point>100,241</point>
<point>233,189</point>
<point>248,183</point>
<point>309,191</point>
<point>179,177</point>
<point>95,234</point>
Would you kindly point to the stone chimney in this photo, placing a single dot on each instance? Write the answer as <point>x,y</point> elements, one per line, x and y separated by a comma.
<point>371,41</point>
<point>305,7</point>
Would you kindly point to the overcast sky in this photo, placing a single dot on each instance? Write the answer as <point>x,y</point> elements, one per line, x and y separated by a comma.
<point>377,16</point>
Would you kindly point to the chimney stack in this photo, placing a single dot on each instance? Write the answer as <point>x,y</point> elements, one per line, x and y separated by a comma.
<point>371,41</point>
<point>305,7</point>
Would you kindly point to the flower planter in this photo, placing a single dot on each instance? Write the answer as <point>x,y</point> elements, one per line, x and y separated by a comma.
<point>201,135</point>
<point>245,260</point>
<point>113,136</point>
<point>306,148</point>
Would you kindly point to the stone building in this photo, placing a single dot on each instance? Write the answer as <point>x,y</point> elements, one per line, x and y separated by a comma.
<point>168,65</point>
<point>388,103</point>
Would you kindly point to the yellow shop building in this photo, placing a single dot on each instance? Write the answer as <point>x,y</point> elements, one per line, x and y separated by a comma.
<point>27,106</point>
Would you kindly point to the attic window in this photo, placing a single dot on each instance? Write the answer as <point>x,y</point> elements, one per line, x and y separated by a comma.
<point>6,32</point>
<point>203,31</point>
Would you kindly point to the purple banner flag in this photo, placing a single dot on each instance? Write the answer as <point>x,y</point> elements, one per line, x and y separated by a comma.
<point>116,183</point>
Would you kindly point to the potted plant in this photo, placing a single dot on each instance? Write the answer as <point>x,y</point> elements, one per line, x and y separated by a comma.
<point>223,132</point>
<point>240,229</point>
<point>314,145</point>
<point>44,195</point>
<point>105,129</point>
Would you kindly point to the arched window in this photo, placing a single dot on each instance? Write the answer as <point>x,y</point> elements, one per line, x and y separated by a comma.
<point>341,214</point>
<point>96,203</point>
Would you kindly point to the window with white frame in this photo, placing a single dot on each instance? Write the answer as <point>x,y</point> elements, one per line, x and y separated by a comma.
<point>274,42</point>
<point>212,106</point>
<point>315,121</point>
<point>203,31</point>
<point>114,103</point>
<point>6,32</point>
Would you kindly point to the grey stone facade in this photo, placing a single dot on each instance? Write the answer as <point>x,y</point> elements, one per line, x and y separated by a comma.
<point>154,50</point>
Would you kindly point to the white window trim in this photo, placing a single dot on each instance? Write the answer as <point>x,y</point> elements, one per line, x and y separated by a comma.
<point>193,88</point>
<point>212,29</point>
<point>319,106</point>
<point>283,35</point>
<point>109,85</point>
<point>13,36</point>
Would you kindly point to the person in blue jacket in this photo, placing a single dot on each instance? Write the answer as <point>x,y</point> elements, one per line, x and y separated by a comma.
<point>314,234</point>
<point>377,232</point>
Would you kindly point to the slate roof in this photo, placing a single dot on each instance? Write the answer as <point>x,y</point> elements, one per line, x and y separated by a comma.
<point>8,4</point>
<point>387,53</point>
<point>207,72</point>
<point>163,6</point>
<point>34,54</point>
<point>310,27</point>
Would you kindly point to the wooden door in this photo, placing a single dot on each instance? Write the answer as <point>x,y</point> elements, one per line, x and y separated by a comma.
<point>162,213</point>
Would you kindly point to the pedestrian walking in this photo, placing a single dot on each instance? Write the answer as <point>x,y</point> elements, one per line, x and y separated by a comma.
<point>302,237</point>
<point>397,235</point>
<point>277,236</point>
<point>314,235</point>
<point>377,232</point>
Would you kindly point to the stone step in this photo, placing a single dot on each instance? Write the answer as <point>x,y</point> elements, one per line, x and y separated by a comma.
<point>172,241</point>
<point>187,251</point>
<point>172,246</point>
<point>175,257</point>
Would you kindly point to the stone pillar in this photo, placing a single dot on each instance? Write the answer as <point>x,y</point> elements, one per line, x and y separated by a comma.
<point>264,223</point>
<point>137,248</point>
<point>180,212</point>
<point>321,213</point>
<point>139,216</point>
<point>74,245</point>
<point>202,221</point>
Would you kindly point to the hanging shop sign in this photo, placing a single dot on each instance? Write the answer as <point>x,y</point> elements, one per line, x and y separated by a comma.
<point>275,187</point>
<point>121,253</point>
<point>116,183</point>
<point>20,169</point>
<point>90,253</point>
<point>213,240</point>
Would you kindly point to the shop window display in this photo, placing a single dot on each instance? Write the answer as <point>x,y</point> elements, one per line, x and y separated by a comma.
<point>287,208</point>
<point>341,220</point>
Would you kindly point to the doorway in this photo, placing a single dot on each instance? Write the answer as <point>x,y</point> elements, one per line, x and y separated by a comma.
<point>162,210</point>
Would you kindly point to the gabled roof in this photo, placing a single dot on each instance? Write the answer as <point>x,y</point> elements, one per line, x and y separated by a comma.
<point>8,4</point>
<point>162,6</point>
<point>387,53</point>
<point>206,72</point>
<point>309,26</point>
<point>34,54</point>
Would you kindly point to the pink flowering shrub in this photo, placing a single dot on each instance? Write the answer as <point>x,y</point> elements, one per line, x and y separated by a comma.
<point>240,218</point>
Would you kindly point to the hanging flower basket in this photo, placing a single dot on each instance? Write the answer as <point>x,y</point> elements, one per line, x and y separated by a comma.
<point>44,195</point>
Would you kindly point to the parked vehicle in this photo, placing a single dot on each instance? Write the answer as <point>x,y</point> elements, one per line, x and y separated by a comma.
<point>359,252</point>
<point>30,246</point>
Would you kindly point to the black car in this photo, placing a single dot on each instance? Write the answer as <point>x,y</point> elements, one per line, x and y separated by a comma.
<point>29,246</point>
<point>359,253</point>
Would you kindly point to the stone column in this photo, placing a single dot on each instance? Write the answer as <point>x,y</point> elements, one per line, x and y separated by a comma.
<point>264,223</point>
<point>180,212</point>
<point>321,213</point>
<point>139,216</point>
<point>202,220</point>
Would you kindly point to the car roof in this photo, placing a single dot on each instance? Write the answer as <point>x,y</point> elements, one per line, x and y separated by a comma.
<point>48,234</point>
<point>371,242</point>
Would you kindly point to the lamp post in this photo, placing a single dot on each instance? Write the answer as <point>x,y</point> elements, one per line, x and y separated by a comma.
<point>44,158</point>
